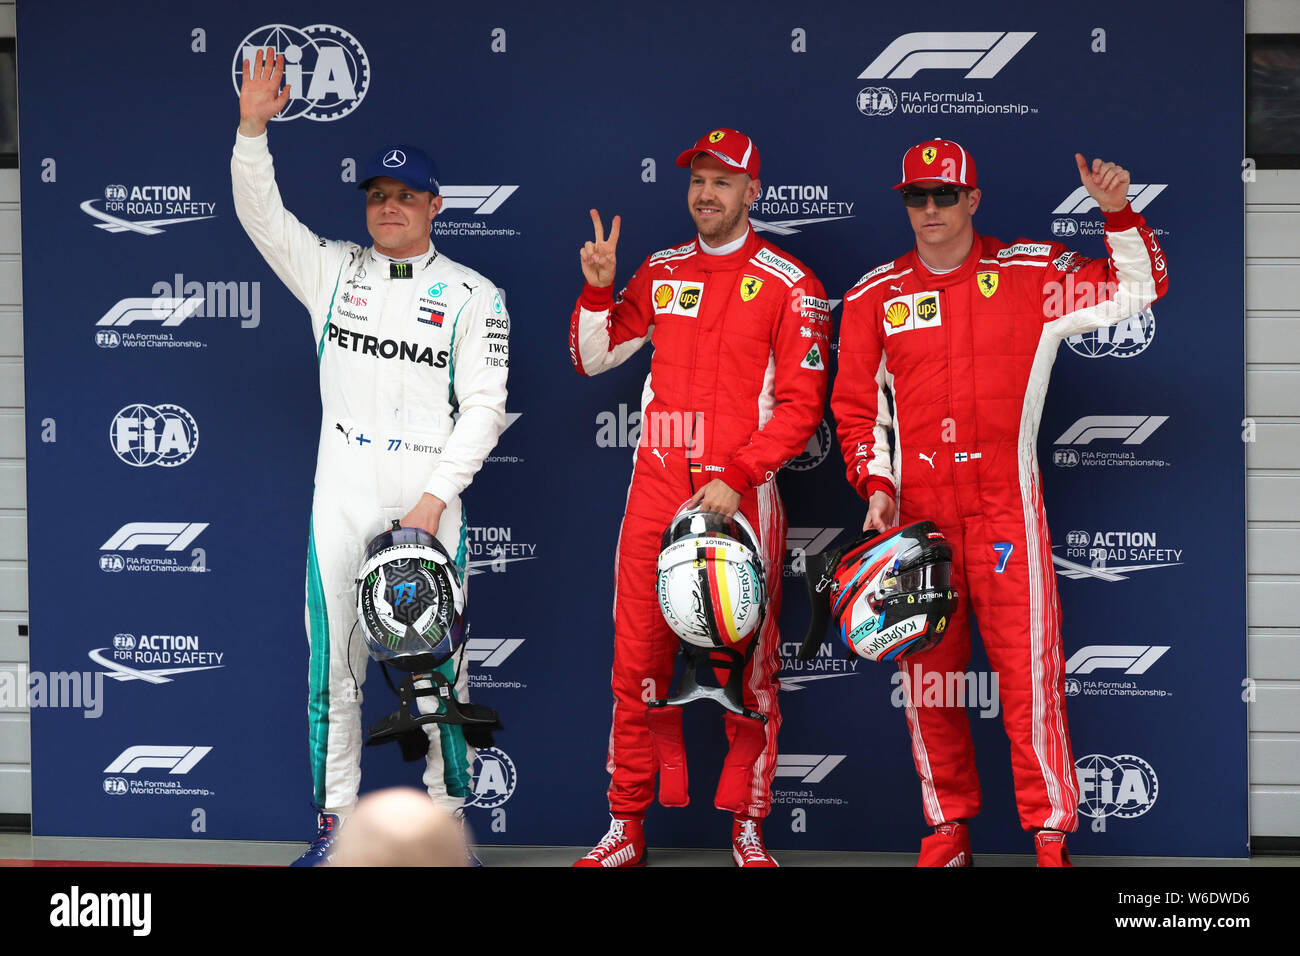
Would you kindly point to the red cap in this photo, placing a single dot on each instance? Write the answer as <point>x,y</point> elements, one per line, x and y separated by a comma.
<point>729,147</point>
<point>938,161</point>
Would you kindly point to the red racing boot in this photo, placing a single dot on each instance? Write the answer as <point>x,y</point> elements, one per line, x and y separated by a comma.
<point>949,845</point>
<point>747,843</point>
<point>623,845</point>
<point>1049,845</point>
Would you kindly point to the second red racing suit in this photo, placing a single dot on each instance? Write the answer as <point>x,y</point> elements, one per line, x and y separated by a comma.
<point>965,357</point>
<point>737,386</point>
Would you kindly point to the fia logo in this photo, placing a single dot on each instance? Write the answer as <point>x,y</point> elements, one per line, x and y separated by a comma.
<point>144,435</point>
<point>325,67</point>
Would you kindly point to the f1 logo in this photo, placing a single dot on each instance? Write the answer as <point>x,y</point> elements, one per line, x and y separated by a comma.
<point>1004,549</point>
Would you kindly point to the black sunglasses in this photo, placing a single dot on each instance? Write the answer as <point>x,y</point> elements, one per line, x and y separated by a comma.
<point>915,197</point>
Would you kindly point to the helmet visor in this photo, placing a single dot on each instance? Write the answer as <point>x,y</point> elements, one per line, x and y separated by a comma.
<point>928,577</point>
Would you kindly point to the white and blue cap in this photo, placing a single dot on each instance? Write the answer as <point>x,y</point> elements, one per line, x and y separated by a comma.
<point>407,164</point>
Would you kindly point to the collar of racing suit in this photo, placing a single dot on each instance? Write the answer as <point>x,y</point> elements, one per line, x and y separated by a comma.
<point>941,280</point>
<point>420,262</point>
<point>730,260</point>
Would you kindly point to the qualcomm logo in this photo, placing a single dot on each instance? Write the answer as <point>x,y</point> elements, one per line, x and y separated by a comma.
<point>495,778</point>
<point>1130,658</point>
<point>1139,196</point>
<point>809,768</point>
<point>175,760</point>
<point>325,67</point>
<point>981,54</point>
<point>143,435</point>
<point>1124,339</point>
<point>483,200</point>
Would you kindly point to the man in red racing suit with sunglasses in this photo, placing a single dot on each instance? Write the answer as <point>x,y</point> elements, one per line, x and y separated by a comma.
<point>944,360</point>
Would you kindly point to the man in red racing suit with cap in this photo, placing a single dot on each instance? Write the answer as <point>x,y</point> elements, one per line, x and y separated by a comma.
<point>961,333</point>
<point>737,385</point>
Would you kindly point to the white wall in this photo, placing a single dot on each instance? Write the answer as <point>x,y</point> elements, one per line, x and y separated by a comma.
<point>15,736</point>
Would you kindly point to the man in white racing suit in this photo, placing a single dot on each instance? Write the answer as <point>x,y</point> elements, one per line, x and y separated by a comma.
<point>413,351</point>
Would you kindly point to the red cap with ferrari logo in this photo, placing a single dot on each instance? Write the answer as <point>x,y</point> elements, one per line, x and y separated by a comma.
<point>938,161</point>
<point>729,147</point>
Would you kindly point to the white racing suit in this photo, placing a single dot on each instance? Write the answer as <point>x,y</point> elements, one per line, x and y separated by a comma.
<point>398,356</point>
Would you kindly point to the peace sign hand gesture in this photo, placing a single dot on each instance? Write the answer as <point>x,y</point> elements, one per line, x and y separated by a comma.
<point>598,258</point>
<point>260,96</point>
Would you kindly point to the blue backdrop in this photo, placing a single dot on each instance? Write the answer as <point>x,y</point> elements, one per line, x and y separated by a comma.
<point>173,407</point>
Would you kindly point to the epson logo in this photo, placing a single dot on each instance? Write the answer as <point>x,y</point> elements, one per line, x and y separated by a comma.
<point>808,768</point>
<point>981,54</point>
<point>175,760</point>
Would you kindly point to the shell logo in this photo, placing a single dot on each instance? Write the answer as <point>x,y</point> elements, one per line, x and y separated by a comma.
<point>897,314</point>
<point>663,295</point>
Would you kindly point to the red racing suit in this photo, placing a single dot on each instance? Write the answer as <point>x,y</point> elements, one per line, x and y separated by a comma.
<point>965,357</point>
<point>737,386</point>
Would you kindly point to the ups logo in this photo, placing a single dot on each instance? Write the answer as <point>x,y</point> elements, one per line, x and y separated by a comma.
<point>927,308</point>
<point>689,298</point>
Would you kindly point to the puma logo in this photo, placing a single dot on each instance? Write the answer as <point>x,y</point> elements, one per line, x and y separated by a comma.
<point>671,269</point>
<point>928,458</point>
<point>660,455</point>
<point>345,431</point>
<point>896,288</point>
